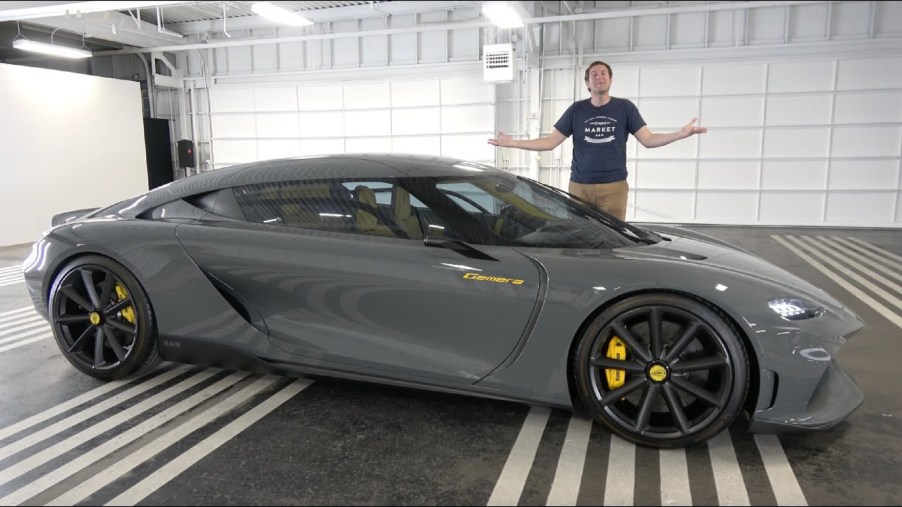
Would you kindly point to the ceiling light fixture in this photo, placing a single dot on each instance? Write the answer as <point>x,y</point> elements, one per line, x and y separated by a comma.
<point>502,14</point>
<point>50,49</point>
<point>279,15</point>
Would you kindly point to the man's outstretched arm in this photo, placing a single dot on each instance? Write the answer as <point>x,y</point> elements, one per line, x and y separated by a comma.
<point>652,140</point>
<point>545,143</point>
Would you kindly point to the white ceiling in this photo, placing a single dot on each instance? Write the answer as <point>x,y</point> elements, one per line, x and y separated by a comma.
<point>110,25</point>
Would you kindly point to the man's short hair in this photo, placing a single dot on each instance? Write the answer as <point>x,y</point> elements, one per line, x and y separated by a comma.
<point>598,62</point>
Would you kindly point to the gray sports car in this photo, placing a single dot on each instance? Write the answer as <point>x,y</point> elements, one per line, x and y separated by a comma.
<point>443,274</point>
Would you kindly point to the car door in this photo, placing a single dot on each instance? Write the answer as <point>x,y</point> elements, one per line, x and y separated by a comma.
<point>372,303</point>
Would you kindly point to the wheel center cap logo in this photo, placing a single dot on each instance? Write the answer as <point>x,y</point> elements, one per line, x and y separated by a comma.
<point>95,318</point>
<point>657,373</point>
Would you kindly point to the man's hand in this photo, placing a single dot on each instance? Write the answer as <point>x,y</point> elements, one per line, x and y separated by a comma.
<point>690,129</point>
<point>502,140</point>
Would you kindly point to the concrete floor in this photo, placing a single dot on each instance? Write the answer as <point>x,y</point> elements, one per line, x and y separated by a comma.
<point>342,442</point>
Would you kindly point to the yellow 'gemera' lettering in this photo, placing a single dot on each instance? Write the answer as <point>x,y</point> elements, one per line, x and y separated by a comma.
<point>496,279</point>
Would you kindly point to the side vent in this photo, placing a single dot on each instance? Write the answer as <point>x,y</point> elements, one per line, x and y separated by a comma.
<point>244,309</point>
<point>499,65</point>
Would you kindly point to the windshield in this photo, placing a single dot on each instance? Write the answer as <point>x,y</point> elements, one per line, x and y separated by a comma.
<point>501,209</point>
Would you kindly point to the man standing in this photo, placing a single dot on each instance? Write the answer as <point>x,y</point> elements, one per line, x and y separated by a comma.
<point>600,126</point>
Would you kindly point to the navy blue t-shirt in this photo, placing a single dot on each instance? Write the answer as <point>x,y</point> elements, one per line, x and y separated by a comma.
<point>599,138</point>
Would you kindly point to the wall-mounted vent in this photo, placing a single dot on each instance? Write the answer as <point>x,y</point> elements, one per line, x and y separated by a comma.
<point>499,65</point>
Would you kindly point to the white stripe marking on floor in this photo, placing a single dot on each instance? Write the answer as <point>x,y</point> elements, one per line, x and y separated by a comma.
<point>876,248</point>
<point>132,461</point>
<point>569,473</point>
<point>24,343</point>
<point>674,477</point>
<point>620,483</point>
<point>727,475</point>
<point>17,311</point>
<point>893,269</point>
<point>782,479</point>
<point>62,407</point>
<point>31,318</point>
<point>516,469</point>
<point>36,460</point>
<point>824,253</point>
<point>31,332</point>
<point>63,425</point>
<point>115,443</point>
<point>175,467</point>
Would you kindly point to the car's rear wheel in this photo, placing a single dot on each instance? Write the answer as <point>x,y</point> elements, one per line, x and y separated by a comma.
<point>662,370</point>
<point>102,319</point>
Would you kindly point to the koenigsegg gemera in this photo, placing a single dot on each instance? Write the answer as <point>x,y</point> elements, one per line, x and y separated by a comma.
<point>448,275</point>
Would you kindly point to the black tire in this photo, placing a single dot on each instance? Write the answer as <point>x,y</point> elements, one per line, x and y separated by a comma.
<point>102,330</point>
<point>683,384</point>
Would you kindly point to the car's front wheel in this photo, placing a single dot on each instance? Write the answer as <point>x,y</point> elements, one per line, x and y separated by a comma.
<point>102,319</point>
<point>662,370</point>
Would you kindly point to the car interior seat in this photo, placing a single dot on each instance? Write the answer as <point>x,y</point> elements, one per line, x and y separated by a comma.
<point>367,213</point>
<point>405,215</point>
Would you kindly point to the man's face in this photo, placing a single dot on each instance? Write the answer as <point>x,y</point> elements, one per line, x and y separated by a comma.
<point>599,80</point>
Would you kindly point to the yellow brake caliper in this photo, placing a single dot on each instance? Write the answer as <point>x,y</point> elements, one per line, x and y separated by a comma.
<point>616,350</point>
<point>128,313</point>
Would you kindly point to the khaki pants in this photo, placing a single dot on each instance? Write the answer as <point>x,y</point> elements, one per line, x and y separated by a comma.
<point>610,197</point>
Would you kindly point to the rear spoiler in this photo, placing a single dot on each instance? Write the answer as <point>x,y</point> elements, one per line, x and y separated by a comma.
<point>70,215</point>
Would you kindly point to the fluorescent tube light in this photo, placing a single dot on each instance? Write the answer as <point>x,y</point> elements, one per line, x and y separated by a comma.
<point>50,49</point>
<point>502,15</point>
<point>279,15</point>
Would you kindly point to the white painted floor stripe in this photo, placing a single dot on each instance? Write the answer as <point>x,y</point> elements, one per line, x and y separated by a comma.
<point>8,315</point>
<point>876,249</point>
<point>61,408</point>
<point>17,267</point>
<point>185,460</point>
<point>31,332</point>
<point>35,460</point>
<point>569,473</point>
<point>727,475</point>
<point>30,318</point>
<point>115,443</point>
<point>132,461</point>
<point>888,267</point>
<point>24,343</point>
<point>782,479</point>
<point>824,253</point>
<point>674,477</point>
<point>513,476</point>
<point>855,291</point>
<point>60,426</point>
<point>620,482</point>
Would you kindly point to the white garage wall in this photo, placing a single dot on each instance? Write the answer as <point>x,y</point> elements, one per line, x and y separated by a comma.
<point>813,141</point>
<point>74,141</point>
<point>805,120</point>
<point>451,116</point>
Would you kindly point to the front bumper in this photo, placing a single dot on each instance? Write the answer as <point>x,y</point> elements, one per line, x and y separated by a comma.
<point>802,386</point>
<point>833,399</point>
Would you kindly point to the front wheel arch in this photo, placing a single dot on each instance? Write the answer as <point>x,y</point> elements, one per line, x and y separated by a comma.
<point>753,391</point>
<point>144,333</point>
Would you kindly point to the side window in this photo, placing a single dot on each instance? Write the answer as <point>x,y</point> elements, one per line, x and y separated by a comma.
<point>377,208</point>
<point>313,204</point>
<point>385,208</point>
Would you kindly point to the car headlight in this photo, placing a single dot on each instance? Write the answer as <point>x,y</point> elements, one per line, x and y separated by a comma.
<point>795,308</point>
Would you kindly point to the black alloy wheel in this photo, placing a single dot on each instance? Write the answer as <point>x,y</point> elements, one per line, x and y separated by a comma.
<point>683,379</point>
<point>102,320</point>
